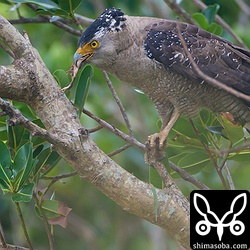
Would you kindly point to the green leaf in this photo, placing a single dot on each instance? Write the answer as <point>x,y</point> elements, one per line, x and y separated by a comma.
<point>201,20</point>
<point>42,160</point>
<point>83,88</point>
<point>215,29</point>
<point>26,110</point>
<point>216,130</point>
<point>25,194</point>
<point>55,211</point>
<point>38,150</point>
<point>50,208</point>
<point>43,3</point>
<point>16,135</point>
<point>51,162</point>
<point>210,12</point>
<point>192,161</point>
<point>6,187</point>
<point>234,133</point>
<point>5,159</point>
<point>154,178</point>
<point>61,77</point>
<point>22,158</point>
<point>240,157</point>
<point>184,127</point>
<point>44,11</point>
<point>69,5</point>
<point>3,129</point>
<point>61,13</point>
<point>181,141</point>
<point>5,168</point>
<point>23,165</point>
<point>5,2</point>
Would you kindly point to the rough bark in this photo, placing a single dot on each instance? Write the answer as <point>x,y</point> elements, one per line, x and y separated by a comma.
<point>28,80</point>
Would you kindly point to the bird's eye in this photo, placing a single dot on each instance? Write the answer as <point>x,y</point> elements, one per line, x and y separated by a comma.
<point>94,44</point>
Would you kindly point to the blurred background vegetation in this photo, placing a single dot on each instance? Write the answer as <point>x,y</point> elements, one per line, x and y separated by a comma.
<point>95,221</point>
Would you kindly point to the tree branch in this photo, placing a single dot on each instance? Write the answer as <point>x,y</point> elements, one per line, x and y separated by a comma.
<point>132,141</point>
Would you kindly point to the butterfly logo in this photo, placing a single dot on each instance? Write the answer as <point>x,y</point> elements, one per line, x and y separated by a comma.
<point>210,219</point>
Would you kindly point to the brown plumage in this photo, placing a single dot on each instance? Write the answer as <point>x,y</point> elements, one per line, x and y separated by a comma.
<point>148,54</point>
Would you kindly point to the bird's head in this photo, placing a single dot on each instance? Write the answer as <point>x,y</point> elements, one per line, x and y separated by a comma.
<point>97,43</point>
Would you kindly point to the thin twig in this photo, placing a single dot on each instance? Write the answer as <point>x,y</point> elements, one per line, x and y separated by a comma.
<point>187,177</point>
<point>245,145</point>
<point>85,21</point>
<point>56,178</point>
<point>59,177</point>
<point>222,23</point>
<point>125,137</point>
<point>46,224</point>
<point>16,117</point>
<point>57,23</point>
<point>210,155</point>
<point>97,128</point>
<point>224,160</point>
<point>28,20</point>
<point>7,50</point>
<point>119,150</point>
<point>229,177</point>
<point>23,225</point>
<point>119,103</point>
<point>207,78</point>
<point>64,27</point>
<point>179,11</point>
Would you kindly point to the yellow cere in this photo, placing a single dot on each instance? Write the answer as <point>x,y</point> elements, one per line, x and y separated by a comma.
<point>88,48</point>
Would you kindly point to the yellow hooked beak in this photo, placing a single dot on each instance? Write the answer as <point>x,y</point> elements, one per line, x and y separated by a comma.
<point>83,54</point>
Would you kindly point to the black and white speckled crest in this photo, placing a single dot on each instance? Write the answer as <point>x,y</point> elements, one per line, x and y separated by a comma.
<point>110,20</point>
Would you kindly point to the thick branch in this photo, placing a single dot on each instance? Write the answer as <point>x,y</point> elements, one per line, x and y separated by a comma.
<point>77,148</point>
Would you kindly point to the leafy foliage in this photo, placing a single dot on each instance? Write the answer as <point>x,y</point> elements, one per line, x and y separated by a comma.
<point>61,8</point>
<point>206,19</point>
<point>14,174</point>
